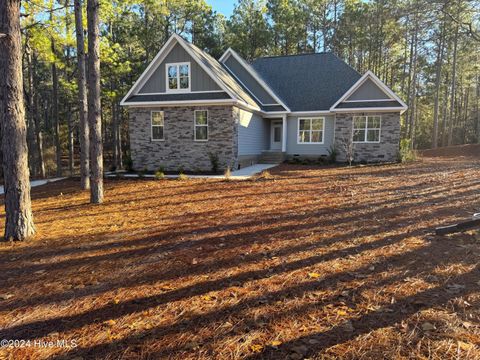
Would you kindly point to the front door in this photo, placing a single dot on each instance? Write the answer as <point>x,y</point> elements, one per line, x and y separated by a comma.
<point>276,136</point>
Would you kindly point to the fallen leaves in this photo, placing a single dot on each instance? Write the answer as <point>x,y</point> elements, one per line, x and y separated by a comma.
<point>216,270</point>
<point>6,296</point>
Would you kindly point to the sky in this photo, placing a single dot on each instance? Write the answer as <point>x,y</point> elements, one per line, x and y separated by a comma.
<point>222,6</point>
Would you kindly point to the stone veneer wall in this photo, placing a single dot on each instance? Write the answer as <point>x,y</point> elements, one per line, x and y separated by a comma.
<point>386,150</point>
<point>179,150</point>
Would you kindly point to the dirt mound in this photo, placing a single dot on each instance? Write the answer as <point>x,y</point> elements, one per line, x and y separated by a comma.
<point>470,150</point>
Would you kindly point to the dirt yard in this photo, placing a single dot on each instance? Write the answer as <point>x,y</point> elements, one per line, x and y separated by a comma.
<point>316,263</point>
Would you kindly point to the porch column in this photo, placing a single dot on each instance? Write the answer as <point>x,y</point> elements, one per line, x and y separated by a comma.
<point>284,133</point>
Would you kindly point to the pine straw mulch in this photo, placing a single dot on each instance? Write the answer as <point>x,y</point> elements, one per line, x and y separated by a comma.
<point>316,262</point>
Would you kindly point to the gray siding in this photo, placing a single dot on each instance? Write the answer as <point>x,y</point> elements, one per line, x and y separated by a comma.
<point>253,133</point>
<point>309,149</point>
<point>368,91</point>
<point>201,81</point>
<point>249,81</point>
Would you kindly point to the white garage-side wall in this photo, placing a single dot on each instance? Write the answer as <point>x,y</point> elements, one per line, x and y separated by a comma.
<point>311,150</point>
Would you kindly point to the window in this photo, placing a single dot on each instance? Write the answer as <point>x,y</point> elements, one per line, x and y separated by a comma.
<point>366,129</point>
<point>178,77</point>
<point>277,134</point>
<point>201,125</point>
<point>310,131</point>
<point>157,119</point>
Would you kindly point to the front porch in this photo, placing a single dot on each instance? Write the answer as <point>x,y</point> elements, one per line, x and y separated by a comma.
<point>278,134</point>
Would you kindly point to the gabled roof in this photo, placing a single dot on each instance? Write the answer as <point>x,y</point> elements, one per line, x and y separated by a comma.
<point>393,101</point>
<point>308,82</point>
<point>211,66</point>
<point>320,83</point>
<point>255,75</point>
<point>221,74</point>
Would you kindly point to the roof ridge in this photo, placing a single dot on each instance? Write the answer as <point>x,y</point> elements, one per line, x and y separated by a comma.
<point>292,55</point>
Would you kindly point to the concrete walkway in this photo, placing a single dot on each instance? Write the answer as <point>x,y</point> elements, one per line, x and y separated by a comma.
<point>242,174</point>
<point>36,183</point>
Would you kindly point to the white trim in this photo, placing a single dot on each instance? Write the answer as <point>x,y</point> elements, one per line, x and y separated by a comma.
<point>151,125</point>
<point>158,60</point>
<point>191,92</point>
<point>178,90</point>
<point>163,52</point>
<point>378,82</point>
<point>182,102</point>
<point>378,109</point>
<point>366,129</point>
<point>252,72</point>
<point>195,126</point>
<point>376,100</point>
<point>273,114</point>
<point>284,133</point>
<point>181,41</point>
<point>310,142</point>
<point>226,55</point>
<point>313,113</point>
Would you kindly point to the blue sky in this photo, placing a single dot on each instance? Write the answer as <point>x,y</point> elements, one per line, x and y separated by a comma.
<point>222,6</point>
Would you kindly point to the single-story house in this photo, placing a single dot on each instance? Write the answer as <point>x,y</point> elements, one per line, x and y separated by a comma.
<point>188,109</point>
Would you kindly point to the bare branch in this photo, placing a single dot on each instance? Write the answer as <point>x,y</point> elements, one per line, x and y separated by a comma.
<point>465,25</point>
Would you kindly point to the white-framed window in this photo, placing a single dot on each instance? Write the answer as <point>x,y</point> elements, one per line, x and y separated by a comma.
<point>157,119</point>
<point>201,125</point>
<point>311,130</point>
<point>366,129</point>
<point>178,77</point>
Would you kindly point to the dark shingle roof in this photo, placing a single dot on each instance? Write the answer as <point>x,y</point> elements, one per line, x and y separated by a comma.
<point>221,73</point>
<point>179,97</point>
<point>368,104</point>
<point>273,108</point>
<point>307,82</point>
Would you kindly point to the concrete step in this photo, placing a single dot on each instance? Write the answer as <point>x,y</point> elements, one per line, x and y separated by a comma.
<point>271,157</point>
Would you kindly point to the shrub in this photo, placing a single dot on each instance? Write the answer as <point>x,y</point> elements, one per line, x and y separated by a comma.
<point>159,175</point>
<point>228,173</point>
<point>214,161</point>
<point>332,154</point>
<point>406,153</point>
<point>264,175</point>
<point>142,173</point>
<point>182,176</point>
<point>128,163</point>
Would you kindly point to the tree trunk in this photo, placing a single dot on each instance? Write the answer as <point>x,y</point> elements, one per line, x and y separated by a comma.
<point>31,115</point>
<point>82,100</point>
<point>56,120</point>
<point>478,109</point>
<point>119,137</point>
<point>70,141</point>
<point>454,79</point>
<point>444,111</point>
<point>18,211</point>
<point>114,134</point>
<point>438,76</point>
<point>36,117</point>
<point>94,104</point>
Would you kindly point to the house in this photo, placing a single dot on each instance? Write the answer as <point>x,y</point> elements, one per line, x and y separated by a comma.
<point>188,109</point>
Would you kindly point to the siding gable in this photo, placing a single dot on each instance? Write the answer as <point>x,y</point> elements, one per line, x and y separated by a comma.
<point>200,80</point>
<point>368,91</point>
